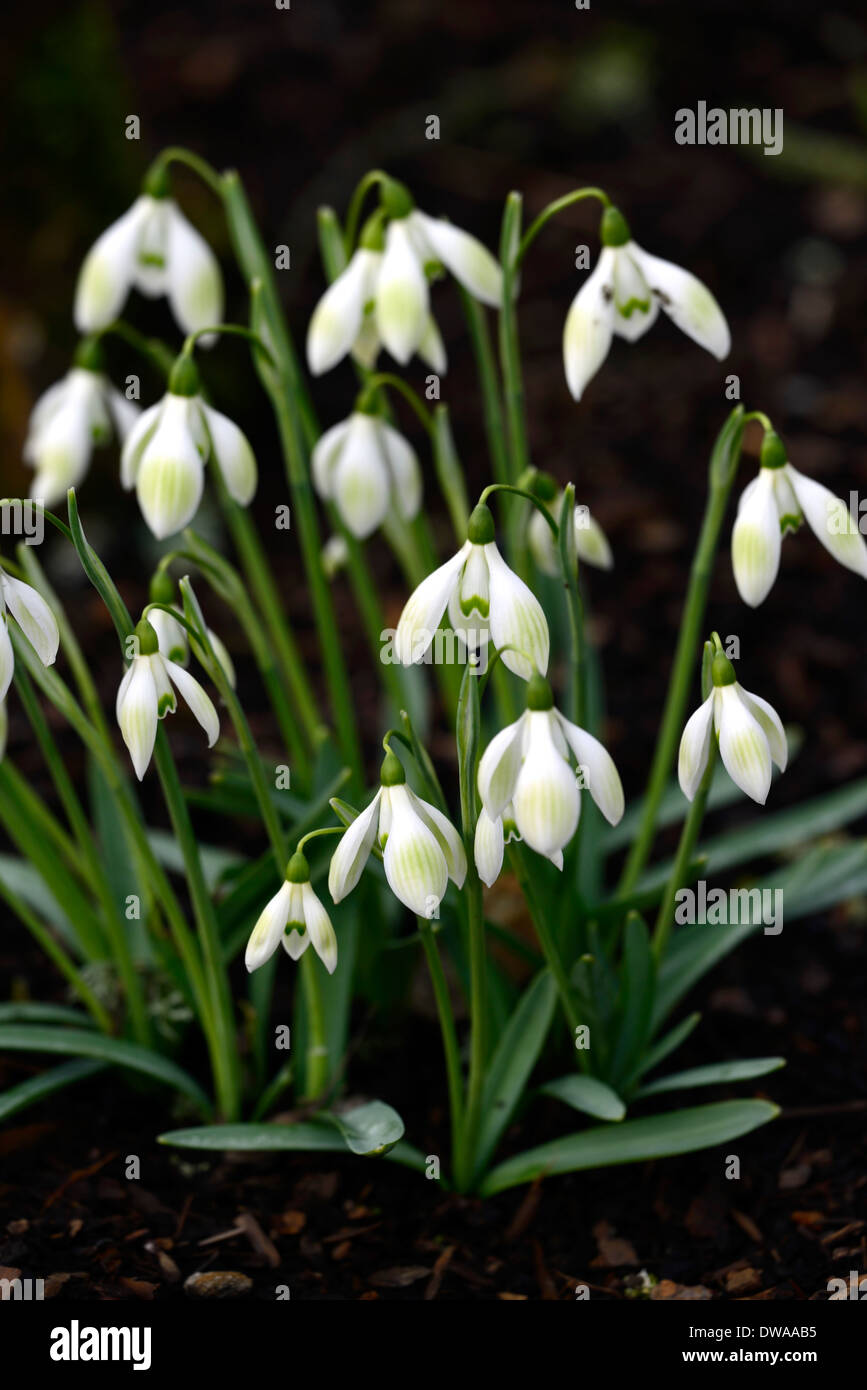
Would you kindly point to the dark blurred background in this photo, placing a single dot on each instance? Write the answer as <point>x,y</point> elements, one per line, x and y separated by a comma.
<point>537,96</point>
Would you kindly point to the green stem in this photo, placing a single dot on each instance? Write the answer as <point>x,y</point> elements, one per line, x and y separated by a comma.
<point>486,366</point>
<point>568,200</point>
<point>724,462</point>
<point>448,1032</point>
<point>686,846</point>
<point>510,355</point>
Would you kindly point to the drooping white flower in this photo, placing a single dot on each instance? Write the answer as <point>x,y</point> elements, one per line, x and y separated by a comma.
<point>296,918</point>
<point>421,850</point>
<point>146,695</point>
<point>776,502</point>
<point>173,644</point>
<point>366,469</point>
<point>623,295</point>
<point>381,297</point>
<point>591,543</point>
<point>528,779</point>
<point>35,619</point>
<point>165,453</point>
<point>486,601</point>
<point>81,410</point>
<point>154,249</point>
<point>749,732</point>
<point>493,833</point>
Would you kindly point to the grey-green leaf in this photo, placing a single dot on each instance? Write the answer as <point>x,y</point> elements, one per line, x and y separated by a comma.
<point>369,1129</point>
<point>45,1084</point>
<point>715,1075</point>
<point>588,1094</point>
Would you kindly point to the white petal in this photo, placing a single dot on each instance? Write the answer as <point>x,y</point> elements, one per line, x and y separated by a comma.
<point>488,847</point>
<point>351,854</point>
<point>546,800</point>
<point>540,539</point>
<point>319,928</point>
<point>265,936</point>
<point>33,616</point>
<point>499,767</point>
<point>756,540</point>
<point>171,635</point>
<point>446,835</point>
<point>167,700</point>
<point>516,618</point>
<point>414,863</point>
<point>324,458</point>
<point>636,308</point>
<point>45,407</point>
<point>424,609</point>
<point>468,260</point>
<point>589,325</point>
<point>221,652</point>
<point>236,460</point>
<point>406,485</point>
<point>431,348</point>
<point>61,450</point>
<point>601,777</point>
<point>361,480</point>
<point>401,295</point>
<point>591,542</point>
<point>743,746</point>
<point>135,443</point>
<point>170,474</point>
<point>125,414</point>
<point>107,272</point>
<point>137,713</point>
<point>337,318</point>
<point>197,700</point>
<point>828,518</point>
<point>695,747</point>
<point>771,724</point>
<point>7,659</point>
<point>195,285</point>
<point>150,266</point>
<point>687,302</point>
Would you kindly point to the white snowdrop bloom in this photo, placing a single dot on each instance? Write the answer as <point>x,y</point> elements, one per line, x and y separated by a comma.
<point>35,619</point>
<point>146,695</point>
<point>421,850</point>
<point>493,833</point>
<point>527,778</point>
<point>367,469</point>
<point>749,731</point>
<point>381,297</point>
<point>81,410</point>
<point>173,644</point>
<point>165,453</point>
<point>623,296</point>
<point>485,601</point>
<point>295,917</point>
<point>777,501</point>
<point>154,249</point>
<point>591,543</point>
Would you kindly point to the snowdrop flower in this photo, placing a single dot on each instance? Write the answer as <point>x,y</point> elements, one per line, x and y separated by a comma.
<point>35,620</point>
<point>485,600</point>
<point>749,731</point>
<point>623,296</point>
<point>421,850</point>
<point>382,295</point>
<point>776,502</point>
<point>154,249</point>
<point>591,543</point>
<point>165,453</point>
<point>528,785</point>
<point>77,412</point>
<point>171,634</point>
<point>366,469</point>
<point>295,917</point>
<point>145,696</point>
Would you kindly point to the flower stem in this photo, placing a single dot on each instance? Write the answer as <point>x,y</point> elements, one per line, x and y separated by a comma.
<point>486,366</point>
<point>679,872</point>
<point>448,1031</point>
<point>723,468</point>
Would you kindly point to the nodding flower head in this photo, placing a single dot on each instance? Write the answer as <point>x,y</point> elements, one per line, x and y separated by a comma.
<point>529,783</point>
<point>295,918</point>
<point>381,297</point>
<point>154,249</point>
<point>421,850</point>
<point>367,470</point>
<point>622,297</point>
<point>749,731</point>
<point>591,543</point>
<point>165,453</point>
<point>776,502</point>
<point>147,694</point>
<point>35,619</point>
<point>486,602</point>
